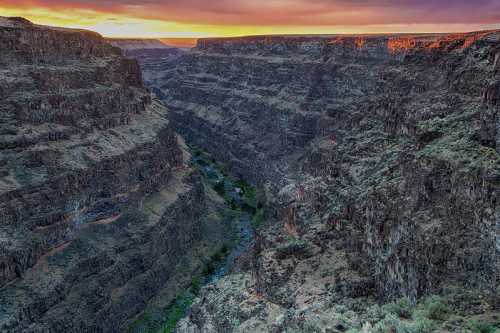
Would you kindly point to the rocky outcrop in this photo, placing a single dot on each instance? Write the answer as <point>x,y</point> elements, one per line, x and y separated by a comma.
<point>390,141</point>
<point>23,42</point>
<point>98,204</point>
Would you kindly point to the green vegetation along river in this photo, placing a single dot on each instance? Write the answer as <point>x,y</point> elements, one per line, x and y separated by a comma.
<point>247,214</point>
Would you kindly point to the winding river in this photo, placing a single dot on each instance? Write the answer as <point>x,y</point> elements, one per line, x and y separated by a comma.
<point>241,199</point>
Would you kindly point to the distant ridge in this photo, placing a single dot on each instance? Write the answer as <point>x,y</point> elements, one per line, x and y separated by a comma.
<point>183,43</point>
<point>131,44</point>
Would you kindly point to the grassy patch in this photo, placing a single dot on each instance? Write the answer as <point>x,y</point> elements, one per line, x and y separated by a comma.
<point>482,327</point>
<point>391,323</point>
<point>401,316</point>
<point>421,325</point>
<point>402,308</point>
<point>434,307</point>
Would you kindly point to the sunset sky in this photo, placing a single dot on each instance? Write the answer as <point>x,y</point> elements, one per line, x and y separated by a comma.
<point>203,18</point>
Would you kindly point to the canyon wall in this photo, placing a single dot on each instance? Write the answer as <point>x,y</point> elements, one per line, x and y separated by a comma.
<point>385,147</point>
<point>159,63</point>
<point>101,214</point>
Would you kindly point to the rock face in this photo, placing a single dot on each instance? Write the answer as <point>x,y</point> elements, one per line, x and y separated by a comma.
<point>159,59</point>
<point>97,203</point>
<point>385,148</point>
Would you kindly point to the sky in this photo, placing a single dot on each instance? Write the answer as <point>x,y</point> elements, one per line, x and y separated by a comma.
<point>223,18</point>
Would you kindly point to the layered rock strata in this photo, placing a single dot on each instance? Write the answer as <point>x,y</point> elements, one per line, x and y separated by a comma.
<point>98,203</point>
<point>389,142</point>
<point>159,59</point>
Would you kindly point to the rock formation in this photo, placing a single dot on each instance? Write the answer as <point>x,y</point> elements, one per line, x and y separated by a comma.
<point>101,215</point>
<point>379,155</point>
<point>159,59</point>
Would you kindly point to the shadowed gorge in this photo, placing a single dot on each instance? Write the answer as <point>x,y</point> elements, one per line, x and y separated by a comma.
<point>380,158</point>
<point>326,183</point>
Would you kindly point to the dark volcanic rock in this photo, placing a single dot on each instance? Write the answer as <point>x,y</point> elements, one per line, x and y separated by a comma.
<point>159,59</point>
<point>392,141</point>
<point>98,206</point>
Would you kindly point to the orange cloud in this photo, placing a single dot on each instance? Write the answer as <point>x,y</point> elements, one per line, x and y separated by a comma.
<point>196,18</point>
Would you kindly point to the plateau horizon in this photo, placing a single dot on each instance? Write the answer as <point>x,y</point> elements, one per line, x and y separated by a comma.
<point>196,19</point>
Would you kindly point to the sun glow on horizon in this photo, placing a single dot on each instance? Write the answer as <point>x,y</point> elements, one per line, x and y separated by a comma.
<point>123,25</point>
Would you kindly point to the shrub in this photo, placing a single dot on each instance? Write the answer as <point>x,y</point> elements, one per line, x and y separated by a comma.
<point>374,314</point>
<point>393,324</point>
<point>421,325</point>
<point>344,320</point>
<point>435,307</point>
<point>402,308</point>
<point>390,324</point>
<point>341,308</point>
<point>481,327</point>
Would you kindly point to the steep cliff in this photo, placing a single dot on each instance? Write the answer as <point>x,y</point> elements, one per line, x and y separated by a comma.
<point>159,61</point>
<point>101,215</point>
<point>380,155</point>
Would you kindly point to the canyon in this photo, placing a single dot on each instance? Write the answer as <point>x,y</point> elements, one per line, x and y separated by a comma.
<point>375,162</point>
<point>378,160</point>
